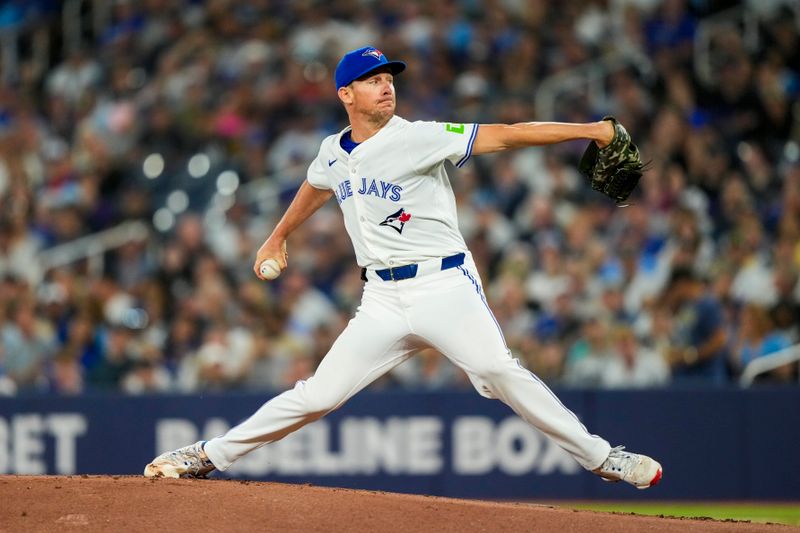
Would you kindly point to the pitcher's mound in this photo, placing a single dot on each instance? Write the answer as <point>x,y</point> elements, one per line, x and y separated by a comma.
<point>122,503</point>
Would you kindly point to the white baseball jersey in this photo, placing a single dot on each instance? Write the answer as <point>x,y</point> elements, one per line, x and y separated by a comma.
<point>394,192</point>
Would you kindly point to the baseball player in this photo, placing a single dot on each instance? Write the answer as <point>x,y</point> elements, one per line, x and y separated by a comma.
<point>421,285</point>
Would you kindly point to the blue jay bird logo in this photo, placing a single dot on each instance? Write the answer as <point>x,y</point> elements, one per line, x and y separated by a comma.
<point>374,52</point>
<point>397,220</point>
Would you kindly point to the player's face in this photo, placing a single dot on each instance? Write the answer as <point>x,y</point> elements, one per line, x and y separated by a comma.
<point>374,96</point>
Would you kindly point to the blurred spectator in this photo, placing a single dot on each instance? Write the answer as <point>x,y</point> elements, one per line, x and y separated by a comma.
<point>757,337</point>
<point>308,307</point>
<point>560,324</point>
<point>149,374</point>
<point>549,281</point>
<point>509,303</point>
<point>589,355</point>
<point>8,386</point>
<point>72,80</point>
<point>547,360</point>
<point>221,361</point>
<point>633,365</point>
<point>18,249</point>
<point>65,374</point>
<point>786,317</point>
<point>81,340</point>
<point>699,350</point>
<point>279,362</point>
<point>753,283</point>
<point>612,303</point>
<point>28,344</point>
<point>117,361</point>
<point>429,370</point>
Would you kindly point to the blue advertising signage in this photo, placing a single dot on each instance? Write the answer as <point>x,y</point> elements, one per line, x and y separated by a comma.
<point>712,443</point>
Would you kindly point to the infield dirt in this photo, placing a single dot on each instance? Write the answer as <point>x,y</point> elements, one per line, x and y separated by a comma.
<point>122,504</point>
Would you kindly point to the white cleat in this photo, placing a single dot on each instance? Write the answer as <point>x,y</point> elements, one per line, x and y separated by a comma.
<point>189,461</point>
<point>639,470</point>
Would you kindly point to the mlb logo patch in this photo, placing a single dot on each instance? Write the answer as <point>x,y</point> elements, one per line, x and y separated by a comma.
<point>374,52</point>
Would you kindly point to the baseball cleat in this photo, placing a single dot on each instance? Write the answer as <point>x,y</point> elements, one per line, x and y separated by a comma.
<point>189,461</point>
<point>639,470</point>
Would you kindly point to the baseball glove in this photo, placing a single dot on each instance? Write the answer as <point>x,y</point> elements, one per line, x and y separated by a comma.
<point>614,170</point>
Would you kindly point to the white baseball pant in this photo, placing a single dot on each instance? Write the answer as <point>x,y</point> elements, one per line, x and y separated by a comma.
<point>445,309</point>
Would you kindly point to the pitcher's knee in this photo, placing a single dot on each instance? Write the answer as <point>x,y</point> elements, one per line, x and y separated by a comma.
<point>493,371</point>
<point>319,402</point>
<point>320,406</point>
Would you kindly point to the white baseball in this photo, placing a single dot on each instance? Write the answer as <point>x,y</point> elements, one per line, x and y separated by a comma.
<point>270,269</point>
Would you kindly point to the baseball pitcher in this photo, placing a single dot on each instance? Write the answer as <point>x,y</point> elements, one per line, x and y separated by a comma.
<point>421,285</point>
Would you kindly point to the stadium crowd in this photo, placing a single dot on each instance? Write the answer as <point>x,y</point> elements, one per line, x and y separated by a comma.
<point>199,118</point>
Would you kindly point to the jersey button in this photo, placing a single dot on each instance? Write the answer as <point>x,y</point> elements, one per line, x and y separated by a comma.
<point>391,262</point>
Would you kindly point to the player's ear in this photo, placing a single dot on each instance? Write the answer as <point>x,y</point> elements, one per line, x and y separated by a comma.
<point>345,95</point>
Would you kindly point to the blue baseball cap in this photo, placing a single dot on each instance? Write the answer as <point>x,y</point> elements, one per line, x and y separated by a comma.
<point>363,61</point>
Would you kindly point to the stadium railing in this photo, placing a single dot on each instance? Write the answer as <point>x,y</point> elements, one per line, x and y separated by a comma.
<point>72,21</point>
<point>92,247</point>
<point>768,363</point>
<point>588,79</point>
<point>16,37</point>
<point>739,20</point>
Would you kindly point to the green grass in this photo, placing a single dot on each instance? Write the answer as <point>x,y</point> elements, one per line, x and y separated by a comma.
<point>783,513</point>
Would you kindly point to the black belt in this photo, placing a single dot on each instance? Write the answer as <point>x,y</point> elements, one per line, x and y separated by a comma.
<point>410,271</point>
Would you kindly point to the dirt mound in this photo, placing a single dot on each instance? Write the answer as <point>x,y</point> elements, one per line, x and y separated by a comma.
<point>121,503</point>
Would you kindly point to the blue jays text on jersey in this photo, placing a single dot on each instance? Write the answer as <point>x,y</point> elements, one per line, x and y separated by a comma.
<point>370,187</point>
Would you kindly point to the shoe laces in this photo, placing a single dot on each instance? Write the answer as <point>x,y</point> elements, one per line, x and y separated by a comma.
<point>195,459</point>
<point>619,460</point>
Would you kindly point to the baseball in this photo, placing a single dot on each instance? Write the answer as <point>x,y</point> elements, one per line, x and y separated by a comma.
<point>270,269</point>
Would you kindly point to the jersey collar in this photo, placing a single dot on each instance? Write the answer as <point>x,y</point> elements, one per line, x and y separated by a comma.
<point>393,123</point>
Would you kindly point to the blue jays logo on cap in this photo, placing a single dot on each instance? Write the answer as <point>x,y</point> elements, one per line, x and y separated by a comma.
<point>359,62</point>
<point>374,52</point>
